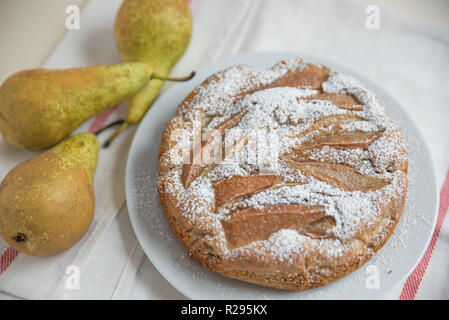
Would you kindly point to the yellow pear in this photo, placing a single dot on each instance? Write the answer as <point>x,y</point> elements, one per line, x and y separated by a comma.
<point>41,107</point>
<point>47,202</point>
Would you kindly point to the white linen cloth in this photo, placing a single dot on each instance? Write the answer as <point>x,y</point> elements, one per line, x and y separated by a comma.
<point>409,58</point>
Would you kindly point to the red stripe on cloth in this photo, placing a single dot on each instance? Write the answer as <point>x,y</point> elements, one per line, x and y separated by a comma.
<point>413,282</point>
<point>100,120</point>
<point>7,258</point>
<point>10,254</point>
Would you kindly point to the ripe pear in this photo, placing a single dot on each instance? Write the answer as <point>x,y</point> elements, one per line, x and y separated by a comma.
<point>40,107</point>
<point>156,32</point>
<point>47,202</point>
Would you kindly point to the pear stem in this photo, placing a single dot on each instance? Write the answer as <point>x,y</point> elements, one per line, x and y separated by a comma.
<point>116,133</point>
<point>186,78</point>
<point>112,124</point>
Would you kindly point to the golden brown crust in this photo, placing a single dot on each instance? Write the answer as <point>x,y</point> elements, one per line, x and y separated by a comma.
<point>342,155</point>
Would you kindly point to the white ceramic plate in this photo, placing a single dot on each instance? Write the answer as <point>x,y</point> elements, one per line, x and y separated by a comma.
<point>373,281</point>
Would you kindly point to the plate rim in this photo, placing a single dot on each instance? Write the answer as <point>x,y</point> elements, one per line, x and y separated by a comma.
<point>316,59</point>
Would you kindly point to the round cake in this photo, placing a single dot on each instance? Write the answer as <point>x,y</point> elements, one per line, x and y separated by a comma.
<point>290,177</point>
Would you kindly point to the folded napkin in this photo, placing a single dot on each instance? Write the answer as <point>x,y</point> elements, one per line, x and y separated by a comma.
<point>408,58</point>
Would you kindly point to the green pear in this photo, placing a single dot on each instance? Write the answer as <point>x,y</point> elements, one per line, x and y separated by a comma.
<point>156,32</point>
<point>47,202</point>
<point>40,107</point>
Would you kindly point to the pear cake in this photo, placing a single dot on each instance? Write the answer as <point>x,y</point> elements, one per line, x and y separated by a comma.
<point>290,177</point>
